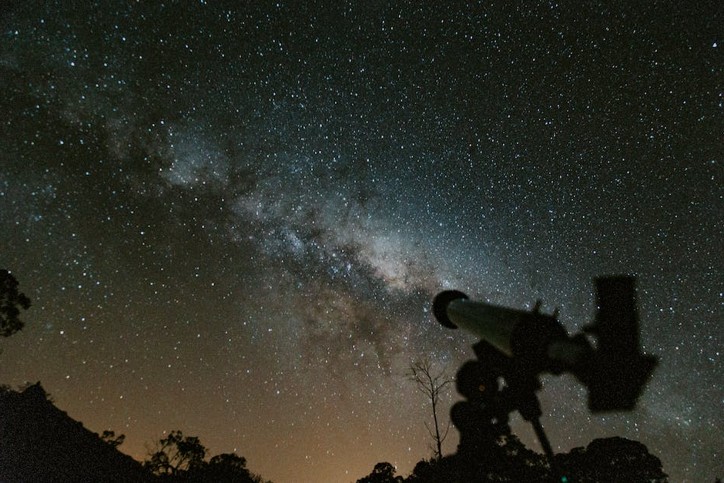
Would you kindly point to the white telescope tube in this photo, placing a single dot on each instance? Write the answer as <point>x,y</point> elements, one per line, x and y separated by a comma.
<point>491,323</point>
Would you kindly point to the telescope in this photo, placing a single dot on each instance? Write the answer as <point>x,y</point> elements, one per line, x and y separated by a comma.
<point>614,371</point>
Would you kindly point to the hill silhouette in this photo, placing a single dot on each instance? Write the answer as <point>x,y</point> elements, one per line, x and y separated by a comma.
<point>39,442</point>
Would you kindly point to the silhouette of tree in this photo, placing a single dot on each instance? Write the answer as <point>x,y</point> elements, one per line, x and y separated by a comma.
<point>11,301</point>
<point>514,463</point>
<point>431,385</point>
<point>182,458</point>
<point>611,460</point>
<point>110,438</point>
<point>424,470</point>
<point>227,468</point>
<point>176,454</point>
<point>448,469</point>
<point>522,463</point>
<point>382,473</point>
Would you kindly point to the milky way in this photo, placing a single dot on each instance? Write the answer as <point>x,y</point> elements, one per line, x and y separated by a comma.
<point>232,221</point>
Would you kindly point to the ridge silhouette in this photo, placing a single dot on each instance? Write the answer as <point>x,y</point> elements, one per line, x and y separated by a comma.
<point>39,442</point>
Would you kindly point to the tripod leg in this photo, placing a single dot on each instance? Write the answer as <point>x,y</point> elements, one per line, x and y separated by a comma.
<point>547,449</point>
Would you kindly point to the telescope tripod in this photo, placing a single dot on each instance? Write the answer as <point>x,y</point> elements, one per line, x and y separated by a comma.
<point>494,386</point>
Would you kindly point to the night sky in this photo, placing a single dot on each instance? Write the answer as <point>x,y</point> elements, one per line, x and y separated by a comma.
<point>231,217</point>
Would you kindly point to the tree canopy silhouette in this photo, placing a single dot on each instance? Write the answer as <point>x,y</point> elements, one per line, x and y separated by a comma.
<point>182,458</point>
<point>11,301</point>
<point>382,473</point>
<point>175,454</point>
<point>610,460</point>
<point>229,467</point>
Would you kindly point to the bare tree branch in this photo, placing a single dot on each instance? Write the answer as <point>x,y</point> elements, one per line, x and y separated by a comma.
<point>431,384</point>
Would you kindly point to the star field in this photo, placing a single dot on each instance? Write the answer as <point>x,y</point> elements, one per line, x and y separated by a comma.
<point>231,220</point>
